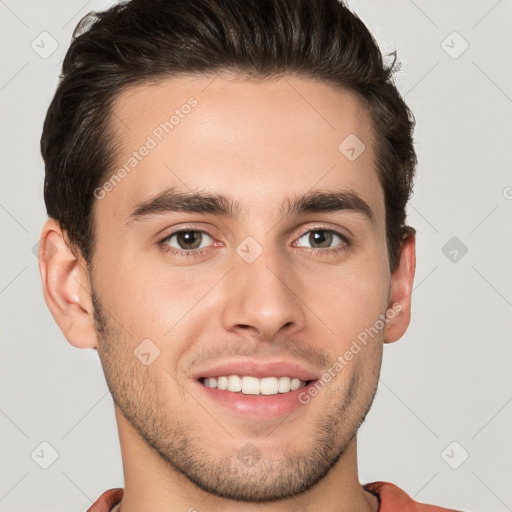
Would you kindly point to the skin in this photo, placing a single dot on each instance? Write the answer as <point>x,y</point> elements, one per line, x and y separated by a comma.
<point>260,142</point>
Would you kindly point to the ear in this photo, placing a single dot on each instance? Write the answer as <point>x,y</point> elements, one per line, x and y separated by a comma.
<point>399,306</point>
<point>66,287</point>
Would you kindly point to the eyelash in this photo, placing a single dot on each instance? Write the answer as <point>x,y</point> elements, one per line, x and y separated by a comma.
<point>199,252</point>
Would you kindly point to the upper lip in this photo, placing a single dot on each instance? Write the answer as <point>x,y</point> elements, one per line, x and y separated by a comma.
<point>260,369</point>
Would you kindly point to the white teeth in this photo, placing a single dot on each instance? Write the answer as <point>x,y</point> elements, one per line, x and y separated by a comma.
<point>250,386</point>
<point>234,383</point>
<point>254,386</point>
<point>284,384</point>
<point>222,383</point>
<point>295,384</point>
<point>269,386</point>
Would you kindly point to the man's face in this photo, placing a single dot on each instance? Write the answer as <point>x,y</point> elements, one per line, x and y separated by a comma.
<point>257,286</point>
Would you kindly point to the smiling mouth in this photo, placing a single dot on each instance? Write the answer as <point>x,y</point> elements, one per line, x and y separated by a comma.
<point>249,385</point>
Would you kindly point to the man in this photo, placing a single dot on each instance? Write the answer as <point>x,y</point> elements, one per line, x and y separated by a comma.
<point>226,183</point>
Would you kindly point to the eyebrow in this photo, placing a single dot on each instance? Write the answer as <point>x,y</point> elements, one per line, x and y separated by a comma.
<point>172,200</point>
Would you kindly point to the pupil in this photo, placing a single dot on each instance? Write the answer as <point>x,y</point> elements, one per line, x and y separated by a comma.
<point>189,237</point>
<point>319,237</point>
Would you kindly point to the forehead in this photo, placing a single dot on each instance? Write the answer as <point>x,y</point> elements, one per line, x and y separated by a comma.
<point>259,141</point>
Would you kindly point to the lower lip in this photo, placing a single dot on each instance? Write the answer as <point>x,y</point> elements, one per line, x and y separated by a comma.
<point>257,406</point>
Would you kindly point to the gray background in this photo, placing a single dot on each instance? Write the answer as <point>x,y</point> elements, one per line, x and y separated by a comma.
<point>445,388</point>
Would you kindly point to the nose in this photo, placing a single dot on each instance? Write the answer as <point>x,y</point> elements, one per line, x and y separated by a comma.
<point>263,296</point>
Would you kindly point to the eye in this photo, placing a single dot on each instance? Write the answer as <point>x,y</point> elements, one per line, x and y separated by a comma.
<point>323,238</point>
<point>189,241</point>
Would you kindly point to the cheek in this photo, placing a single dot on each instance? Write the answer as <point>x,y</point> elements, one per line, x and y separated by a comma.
<point>133,284</point>
<point>168,306</point>
<point>347,300</point>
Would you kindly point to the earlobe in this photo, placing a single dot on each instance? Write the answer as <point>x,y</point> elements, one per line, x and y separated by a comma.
<point>66,287</point>
<point>402,278</point>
